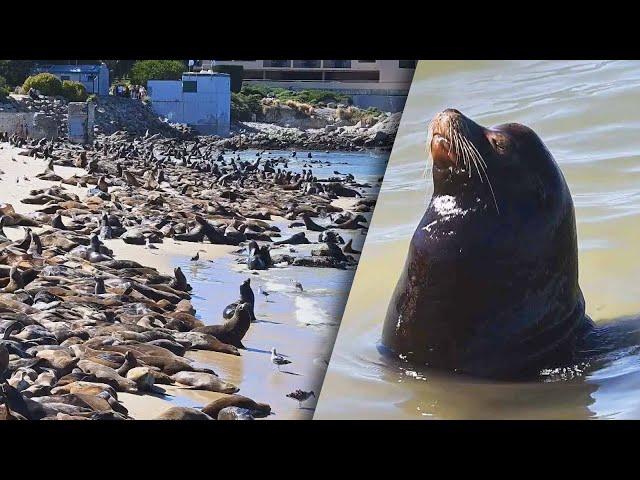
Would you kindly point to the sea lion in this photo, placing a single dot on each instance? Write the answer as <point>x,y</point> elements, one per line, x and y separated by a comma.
<point>348,248</point>
<point>183,413</point>
<point>233,330</point>
<point>311,225</point>
<point>490,284</point>
<point>258,409</point>
<point>4,360</point>
<point>180,281</point>
<point>3,236</point>
<point>246,295</point>
<point>203,381</point>
<point>16,282</point>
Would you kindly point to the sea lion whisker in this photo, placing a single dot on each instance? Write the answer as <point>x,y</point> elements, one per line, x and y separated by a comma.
<point>486,175</point>
<point>467,154</point>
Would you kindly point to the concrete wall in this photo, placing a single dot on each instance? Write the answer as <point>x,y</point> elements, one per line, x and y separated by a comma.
<point>208,109</point>
<point>166,99</point>
<point>29,124</point>
<point>81,122</point>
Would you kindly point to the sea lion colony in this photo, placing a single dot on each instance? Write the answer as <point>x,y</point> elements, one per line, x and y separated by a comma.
<point>78,326</point>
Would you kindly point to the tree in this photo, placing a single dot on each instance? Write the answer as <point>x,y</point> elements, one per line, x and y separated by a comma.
<point>145,70</point>
<point>15,71</point>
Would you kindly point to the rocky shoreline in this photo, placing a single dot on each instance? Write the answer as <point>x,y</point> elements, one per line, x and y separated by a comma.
<point>331,137</point>
<point>80,325</point>
<point>321,131</point>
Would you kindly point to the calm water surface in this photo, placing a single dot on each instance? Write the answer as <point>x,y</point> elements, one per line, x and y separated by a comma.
<point>588,114</point>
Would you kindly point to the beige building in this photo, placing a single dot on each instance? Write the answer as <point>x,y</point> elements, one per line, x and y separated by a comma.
<point>354,76</point>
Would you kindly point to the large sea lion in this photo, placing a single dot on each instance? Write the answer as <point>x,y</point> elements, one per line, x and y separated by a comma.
<point>490,285</point>
<point>232,331</point>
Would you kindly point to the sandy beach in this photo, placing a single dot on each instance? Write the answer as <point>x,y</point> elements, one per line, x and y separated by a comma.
<point>300,325</point>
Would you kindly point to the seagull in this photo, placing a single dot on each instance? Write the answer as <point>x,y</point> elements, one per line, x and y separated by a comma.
<point>301,396</point>
<point>263,292</point>
<point>150,246</point>
<point>196,257</point>
<point>278,360</point>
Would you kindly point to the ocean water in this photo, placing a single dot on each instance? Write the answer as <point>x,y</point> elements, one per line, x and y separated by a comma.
<point>588,115</point>
<point>365,166</point>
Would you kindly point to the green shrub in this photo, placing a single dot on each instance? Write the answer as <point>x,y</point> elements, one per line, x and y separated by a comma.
<point>244,106</point>
<point>93,98</point>
<point>45,83</point>
<point>249,100</point>
<point>145,70</point>
<point>311,97</point>
<point>74,91</point>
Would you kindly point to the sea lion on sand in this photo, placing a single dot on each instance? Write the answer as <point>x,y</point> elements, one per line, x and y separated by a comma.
<point>4,360</point>
<point>258,409</point>
<point>311,225</point>
<point>233,330</point>
<point>180,281</point>
<point>490,284</point>
<point>16,282</point>
<point>348,248</point>
<point>203,381</point>
<point>183,413</point>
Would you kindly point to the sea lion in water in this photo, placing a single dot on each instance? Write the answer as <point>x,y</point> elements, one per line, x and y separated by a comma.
<point>246,295</point>
<point>490,284</point>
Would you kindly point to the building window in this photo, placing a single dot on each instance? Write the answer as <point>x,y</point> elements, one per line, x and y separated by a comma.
<point>407,63</point>
<point>277,63</point>
<point>366,61</point>
<point>65,77</point>
<point>189,86</point>
<point>306,63</point>
<point>288,75</point>
<point>365,76</point>
<point>253,74</point>
<point>337,64</point>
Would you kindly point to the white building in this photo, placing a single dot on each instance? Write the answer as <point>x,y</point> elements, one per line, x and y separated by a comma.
<point>201,100</point>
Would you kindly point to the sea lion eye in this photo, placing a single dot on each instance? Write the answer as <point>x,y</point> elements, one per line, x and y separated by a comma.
<point>499,144</point>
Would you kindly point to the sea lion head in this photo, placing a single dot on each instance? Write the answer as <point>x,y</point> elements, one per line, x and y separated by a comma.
<point>490,284</point>
<point>507,166</point>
